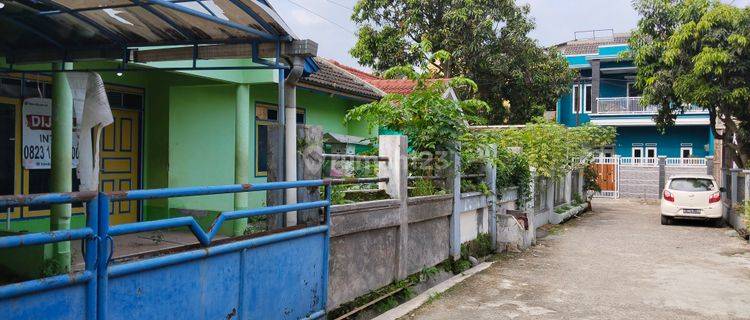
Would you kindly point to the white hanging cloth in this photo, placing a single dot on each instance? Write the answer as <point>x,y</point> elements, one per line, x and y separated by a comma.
<point>92,114</point>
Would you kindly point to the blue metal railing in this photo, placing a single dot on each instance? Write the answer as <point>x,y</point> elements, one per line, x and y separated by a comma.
<point>97,236</point>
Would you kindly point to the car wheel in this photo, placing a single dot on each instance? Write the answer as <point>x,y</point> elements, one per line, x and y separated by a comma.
<point>666,220</point>
<point>717,223</point>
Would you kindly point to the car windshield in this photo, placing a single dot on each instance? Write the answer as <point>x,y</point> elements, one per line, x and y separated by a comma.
<point>691,184</point>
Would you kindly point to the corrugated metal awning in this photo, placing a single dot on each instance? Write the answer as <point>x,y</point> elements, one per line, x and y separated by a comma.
<point>331,137</point>
<point>65,27</point>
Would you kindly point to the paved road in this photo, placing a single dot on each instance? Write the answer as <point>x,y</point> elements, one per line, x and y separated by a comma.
<point>617,262</point>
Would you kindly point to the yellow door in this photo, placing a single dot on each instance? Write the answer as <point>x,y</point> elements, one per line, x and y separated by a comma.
<point>119,162</point>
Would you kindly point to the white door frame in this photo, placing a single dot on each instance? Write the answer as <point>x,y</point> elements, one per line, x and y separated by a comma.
<point>689,149</point>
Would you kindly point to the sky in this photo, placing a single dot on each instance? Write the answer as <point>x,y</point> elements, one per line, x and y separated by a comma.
<point>328,22</point>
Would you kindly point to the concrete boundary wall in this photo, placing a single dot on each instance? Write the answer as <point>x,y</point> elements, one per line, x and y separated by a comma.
<point>376,243</point>
<point>645,178</point>
<point>736,183</point>
<point>364,243</point>
<point>639,182</point>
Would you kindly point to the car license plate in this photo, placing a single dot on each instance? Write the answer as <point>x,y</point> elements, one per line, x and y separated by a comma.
<point>691,211</point>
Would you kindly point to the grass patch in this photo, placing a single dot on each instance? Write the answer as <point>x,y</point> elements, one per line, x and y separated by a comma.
<point>562,209</point>
<point>555,229</point>
<point>434,297</point>
<point>404,293</point>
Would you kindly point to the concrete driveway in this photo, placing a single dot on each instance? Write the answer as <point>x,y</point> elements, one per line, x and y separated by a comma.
<point>617,262</point>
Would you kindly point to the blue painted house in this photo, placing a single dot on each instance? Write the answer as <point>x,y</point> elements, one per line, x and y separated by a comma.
<point>604,94</point>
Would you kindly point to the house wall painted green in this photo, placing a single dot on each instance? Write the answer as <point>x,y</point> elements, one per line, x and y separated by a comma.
<point>201,141</point>
<point>188,133</point>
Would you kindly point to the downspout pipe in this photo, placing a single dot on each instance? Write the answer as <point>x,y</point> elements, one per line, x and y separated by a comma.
<point>290,132</point>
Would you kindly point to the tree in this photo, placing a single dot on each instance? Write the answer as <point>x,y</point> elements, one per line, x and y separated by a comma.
<point>432,121</point>
<point>489,43</point>
<point>550,148</point>
<point>696,52</point>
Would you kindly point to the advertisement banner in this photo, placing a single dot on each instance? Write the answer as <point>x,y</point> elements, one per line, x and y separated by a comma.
<point>37,134</point>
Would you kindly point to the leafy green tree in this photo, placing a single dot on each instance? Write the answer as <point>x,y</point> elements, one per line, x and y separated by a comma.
<point>431,119</point>
<point>551,148</point>
<point>697,52</point>
<point>489,42</point>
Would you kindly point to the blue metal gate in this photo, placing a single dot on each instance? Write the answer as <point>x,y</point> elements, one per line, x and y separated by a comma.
<point>276,276</point>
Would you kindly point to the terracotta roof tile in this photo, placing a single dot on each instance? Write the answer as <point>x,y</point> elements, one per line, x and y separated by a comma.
<point>334,78</point>
<point>364,75</point>
<point>400,86</point>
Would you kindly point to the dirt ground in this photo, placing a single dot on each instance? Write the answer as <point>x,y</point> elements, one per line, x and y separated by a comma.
<point>616,262</point>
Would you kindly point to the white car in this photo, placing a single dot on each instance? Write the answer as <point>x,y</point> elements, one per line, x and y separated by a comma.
<point>691,196</point>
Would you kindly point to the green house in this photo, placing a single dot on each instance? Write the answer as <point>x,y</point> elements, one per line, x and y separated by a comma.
<point>190,108</point>
<point>175,129</point>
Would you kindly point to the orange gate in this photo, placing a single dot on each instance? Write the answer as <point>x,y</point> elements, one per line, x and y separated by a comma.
<point>606,176</point>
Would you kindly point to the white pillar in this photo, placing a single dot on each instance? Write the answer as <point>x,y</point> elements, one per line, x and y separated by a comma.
<point>396,170</point>
<point>290,149</point>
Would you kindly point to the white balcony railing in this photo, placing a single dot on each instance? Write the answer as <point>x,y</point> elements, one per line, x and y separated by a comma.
<point>686,162</point>
<point>651,162</point>
<point>632,105</point>
<point>644,162</point>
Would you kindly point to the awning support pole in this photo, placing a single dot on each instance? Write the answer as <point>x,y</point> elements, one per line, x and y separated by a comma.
<point>62,157</point>
<point>290,134</point>
<point>241,153</point>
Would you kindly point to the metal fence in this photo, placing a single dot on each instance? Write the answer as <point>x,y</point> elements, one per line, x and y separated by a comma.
<point>278,275</point>
<point>633,105</point>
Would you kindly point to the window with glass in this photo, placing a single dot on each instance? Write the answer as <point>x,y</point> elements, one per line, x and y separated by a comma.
<point>582,97</point>
<point>267,115</point>
<point>686,152</point>
<point>637,152</point>
<point>691,184</point>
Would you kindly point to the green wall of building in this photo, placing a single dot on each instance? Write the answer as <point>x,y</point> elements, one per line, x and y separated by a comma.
<point>188,133</point>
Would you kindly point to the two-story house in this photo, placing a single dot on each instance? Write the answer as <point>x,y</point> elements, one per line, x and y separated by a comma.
<point>603,93</point>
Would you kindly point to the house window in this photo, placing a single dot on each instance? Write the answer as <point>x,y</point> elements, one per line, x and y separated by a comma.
<point>650,152</point>
<point>637,152</point>
<point>587,103</point>
<point>606,152</point>
<point>633,91</point>
<point>576,99</point>
<point>266,115</point>
<point>582,96</point>
<point>686,152</point>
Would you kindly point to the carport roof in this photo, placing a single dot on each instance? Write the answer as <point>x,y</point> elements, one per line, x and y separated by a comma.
<point>100,28</point>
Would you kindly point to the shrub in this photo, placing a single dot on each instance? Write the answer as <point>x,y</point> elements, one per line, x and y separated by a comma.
<point>577,199</point>
<point>423,187</point>
<point>589,179</point>
<point>562,209</point>
<point>479,247</point>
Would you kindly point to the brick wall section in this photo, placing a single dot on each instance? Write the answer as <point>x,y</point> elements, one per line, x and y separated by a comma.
<point>639,182</point>
<point>685,170</point>
<point>643,182</point>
